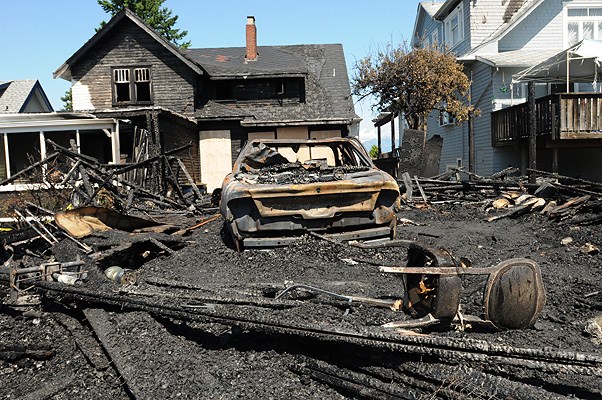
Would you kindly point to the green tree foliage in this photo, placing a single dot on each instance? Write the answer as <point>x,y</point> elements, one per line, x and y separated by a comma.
<point>414,81</point>
<point>67,100</point>
<point>373,151</point>
<point>153,13</point>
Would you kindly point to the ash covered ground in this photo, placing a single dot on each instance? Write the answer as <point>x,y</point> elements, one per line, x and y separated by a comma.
<point>112,352</point>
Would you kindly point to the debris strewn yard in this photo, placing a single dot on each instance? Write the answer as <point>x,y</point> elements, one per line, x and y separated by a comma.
<point>170,311</point>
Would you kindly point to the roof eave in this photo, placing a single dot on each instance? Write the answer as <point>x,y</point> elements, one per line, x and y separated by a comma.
<point>445,9</point>
<point>323,121</point>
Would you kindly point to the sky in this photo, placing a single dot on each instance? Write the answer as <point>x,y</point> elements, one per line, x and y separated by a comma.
<point>39,35</point>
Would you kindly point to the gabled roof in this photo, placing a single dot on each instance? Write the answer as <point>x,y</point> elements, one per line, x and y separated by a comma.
<point>431,7</point>
<point>16,95</point>
<point>513,59</point>
<point>64,71</point>
<point>425,9</point>
<point>446,8</point>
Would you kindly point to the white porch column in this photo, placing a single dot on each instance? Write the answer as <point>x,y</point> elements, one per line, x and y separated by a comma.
<point>6,156</point>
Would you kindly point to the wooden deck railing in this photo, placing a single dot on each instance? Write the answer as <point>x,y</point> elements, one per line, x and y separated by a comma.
<point>563,116</point>
<point>510,124</point>
<point>580,116</point>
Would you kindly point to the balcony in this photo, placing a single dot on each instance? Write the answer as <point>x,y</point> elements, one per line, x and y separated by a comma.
<point>560,116</point>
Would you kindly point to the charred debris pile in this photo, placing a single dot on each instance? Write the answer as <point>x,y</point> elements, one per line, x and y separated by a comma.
<point>408,339</point>
<point>159,182</point>
<point>564,199</point>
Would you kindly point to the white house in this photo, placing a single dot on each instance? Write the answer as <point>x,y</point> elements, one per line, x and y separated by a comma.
<point>495,40</point>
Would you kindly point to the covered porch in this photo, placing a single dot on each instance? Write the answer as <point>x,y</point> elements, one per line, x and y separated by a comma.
<point>564,126</point>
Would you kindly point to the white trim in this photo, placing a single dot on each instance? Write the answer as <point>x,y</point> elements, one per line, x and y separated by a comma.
<point>6,155</point>
<point>459,12</point>
<point>566,19</point>
<point>55,125</point>
<point>115,150</point>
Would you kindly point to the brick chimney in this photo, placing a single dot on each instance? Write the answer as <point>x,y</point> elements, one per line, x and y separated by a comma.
<point>251,40</point>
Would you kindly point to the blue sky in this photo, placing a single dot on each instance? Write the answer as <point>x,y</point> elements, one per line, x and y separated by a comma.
<point>39,35</point>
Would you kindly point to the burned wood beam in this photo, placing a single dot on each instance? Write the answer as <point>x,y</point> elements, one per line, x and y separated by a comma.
<point>361,385</point>
<point>420,189</point>
<point>12,353</point>
<point>568,178</point>
<point>407,181</point>
<point>150,160</point>
<point>71,153</point>
<point>193,185</point>
<point>30,168</point>
<point>99,321</point>
<point>436,348</point>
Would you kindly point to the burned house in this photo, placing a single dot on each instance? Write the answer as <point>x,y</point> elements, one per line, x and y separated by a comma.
<point>214,98</point>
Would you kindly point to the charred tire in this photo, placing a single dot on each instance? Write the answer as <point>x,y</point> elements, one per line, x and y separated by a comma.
<point>447,297</point>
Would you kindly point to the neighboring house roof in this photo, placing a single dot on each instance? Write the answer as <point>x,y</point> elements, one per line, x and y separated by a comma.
<point>516,58</point>
<point>15,96</point>
<point>431,7</point>
<point>516,12</point>
<point>327,95</point>
<point>424,9</point>
<point>445,8</point>
<point>64,71</point>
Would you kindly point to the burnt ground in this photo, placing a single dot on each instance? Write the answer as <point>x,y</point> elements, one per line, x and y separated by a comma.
<point>114,351</point>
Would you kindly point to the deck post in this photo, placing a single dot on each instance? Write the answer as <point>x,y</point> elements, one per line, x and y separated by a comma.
<point>532,132</point>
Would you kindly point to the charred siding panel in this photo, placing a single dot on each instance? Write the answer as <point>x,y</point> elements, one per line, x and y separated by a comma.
<point>176,135</point>
<point>173,82</point>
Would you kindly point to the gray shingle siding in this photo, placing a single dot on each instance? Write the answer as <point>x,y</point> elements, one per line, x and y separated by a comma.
<point>542,28</point>
<point>482,93</point>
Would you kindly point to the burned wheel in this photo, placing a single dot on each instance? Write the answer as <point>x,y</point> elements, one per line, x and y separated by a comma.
<point>447,297</point>
<point>437,295</point>
<point>514,297</point>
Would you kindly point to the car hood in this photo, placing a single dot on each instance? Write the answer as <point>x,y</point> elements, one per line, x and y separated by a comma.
<point>356,192</point>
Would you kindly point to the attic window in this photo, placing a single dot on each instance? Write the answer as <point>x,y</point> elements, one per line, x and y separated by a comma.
<point>132,86</point>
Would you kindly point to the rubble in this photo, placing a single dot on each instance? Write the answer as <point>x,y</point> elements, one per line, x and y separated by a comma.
<point>321,318</point>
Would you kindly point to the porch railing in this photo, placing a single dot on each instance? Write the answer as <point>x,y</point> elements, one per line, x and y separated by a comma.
<point>563,116</point>
<point>511,124</point>
<point>580,116</point>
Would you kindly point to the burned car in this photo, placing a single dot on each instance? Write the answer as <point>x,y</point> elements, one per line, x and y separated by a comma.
<point>283,188</point>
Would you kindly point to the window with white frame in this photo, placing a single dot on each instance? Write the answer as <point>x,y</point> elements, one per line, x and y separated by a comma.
<point>583,22</point>
<point>446,118</point>
<point>454,26</point>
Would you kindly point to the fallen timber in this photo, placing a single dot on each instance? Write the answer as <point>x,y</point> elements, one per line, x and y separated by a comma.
<point>442,349</point>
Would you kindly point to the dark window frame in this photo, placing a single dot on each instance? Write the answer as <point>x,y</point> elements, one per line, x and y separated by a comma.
<point>133,90</point>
